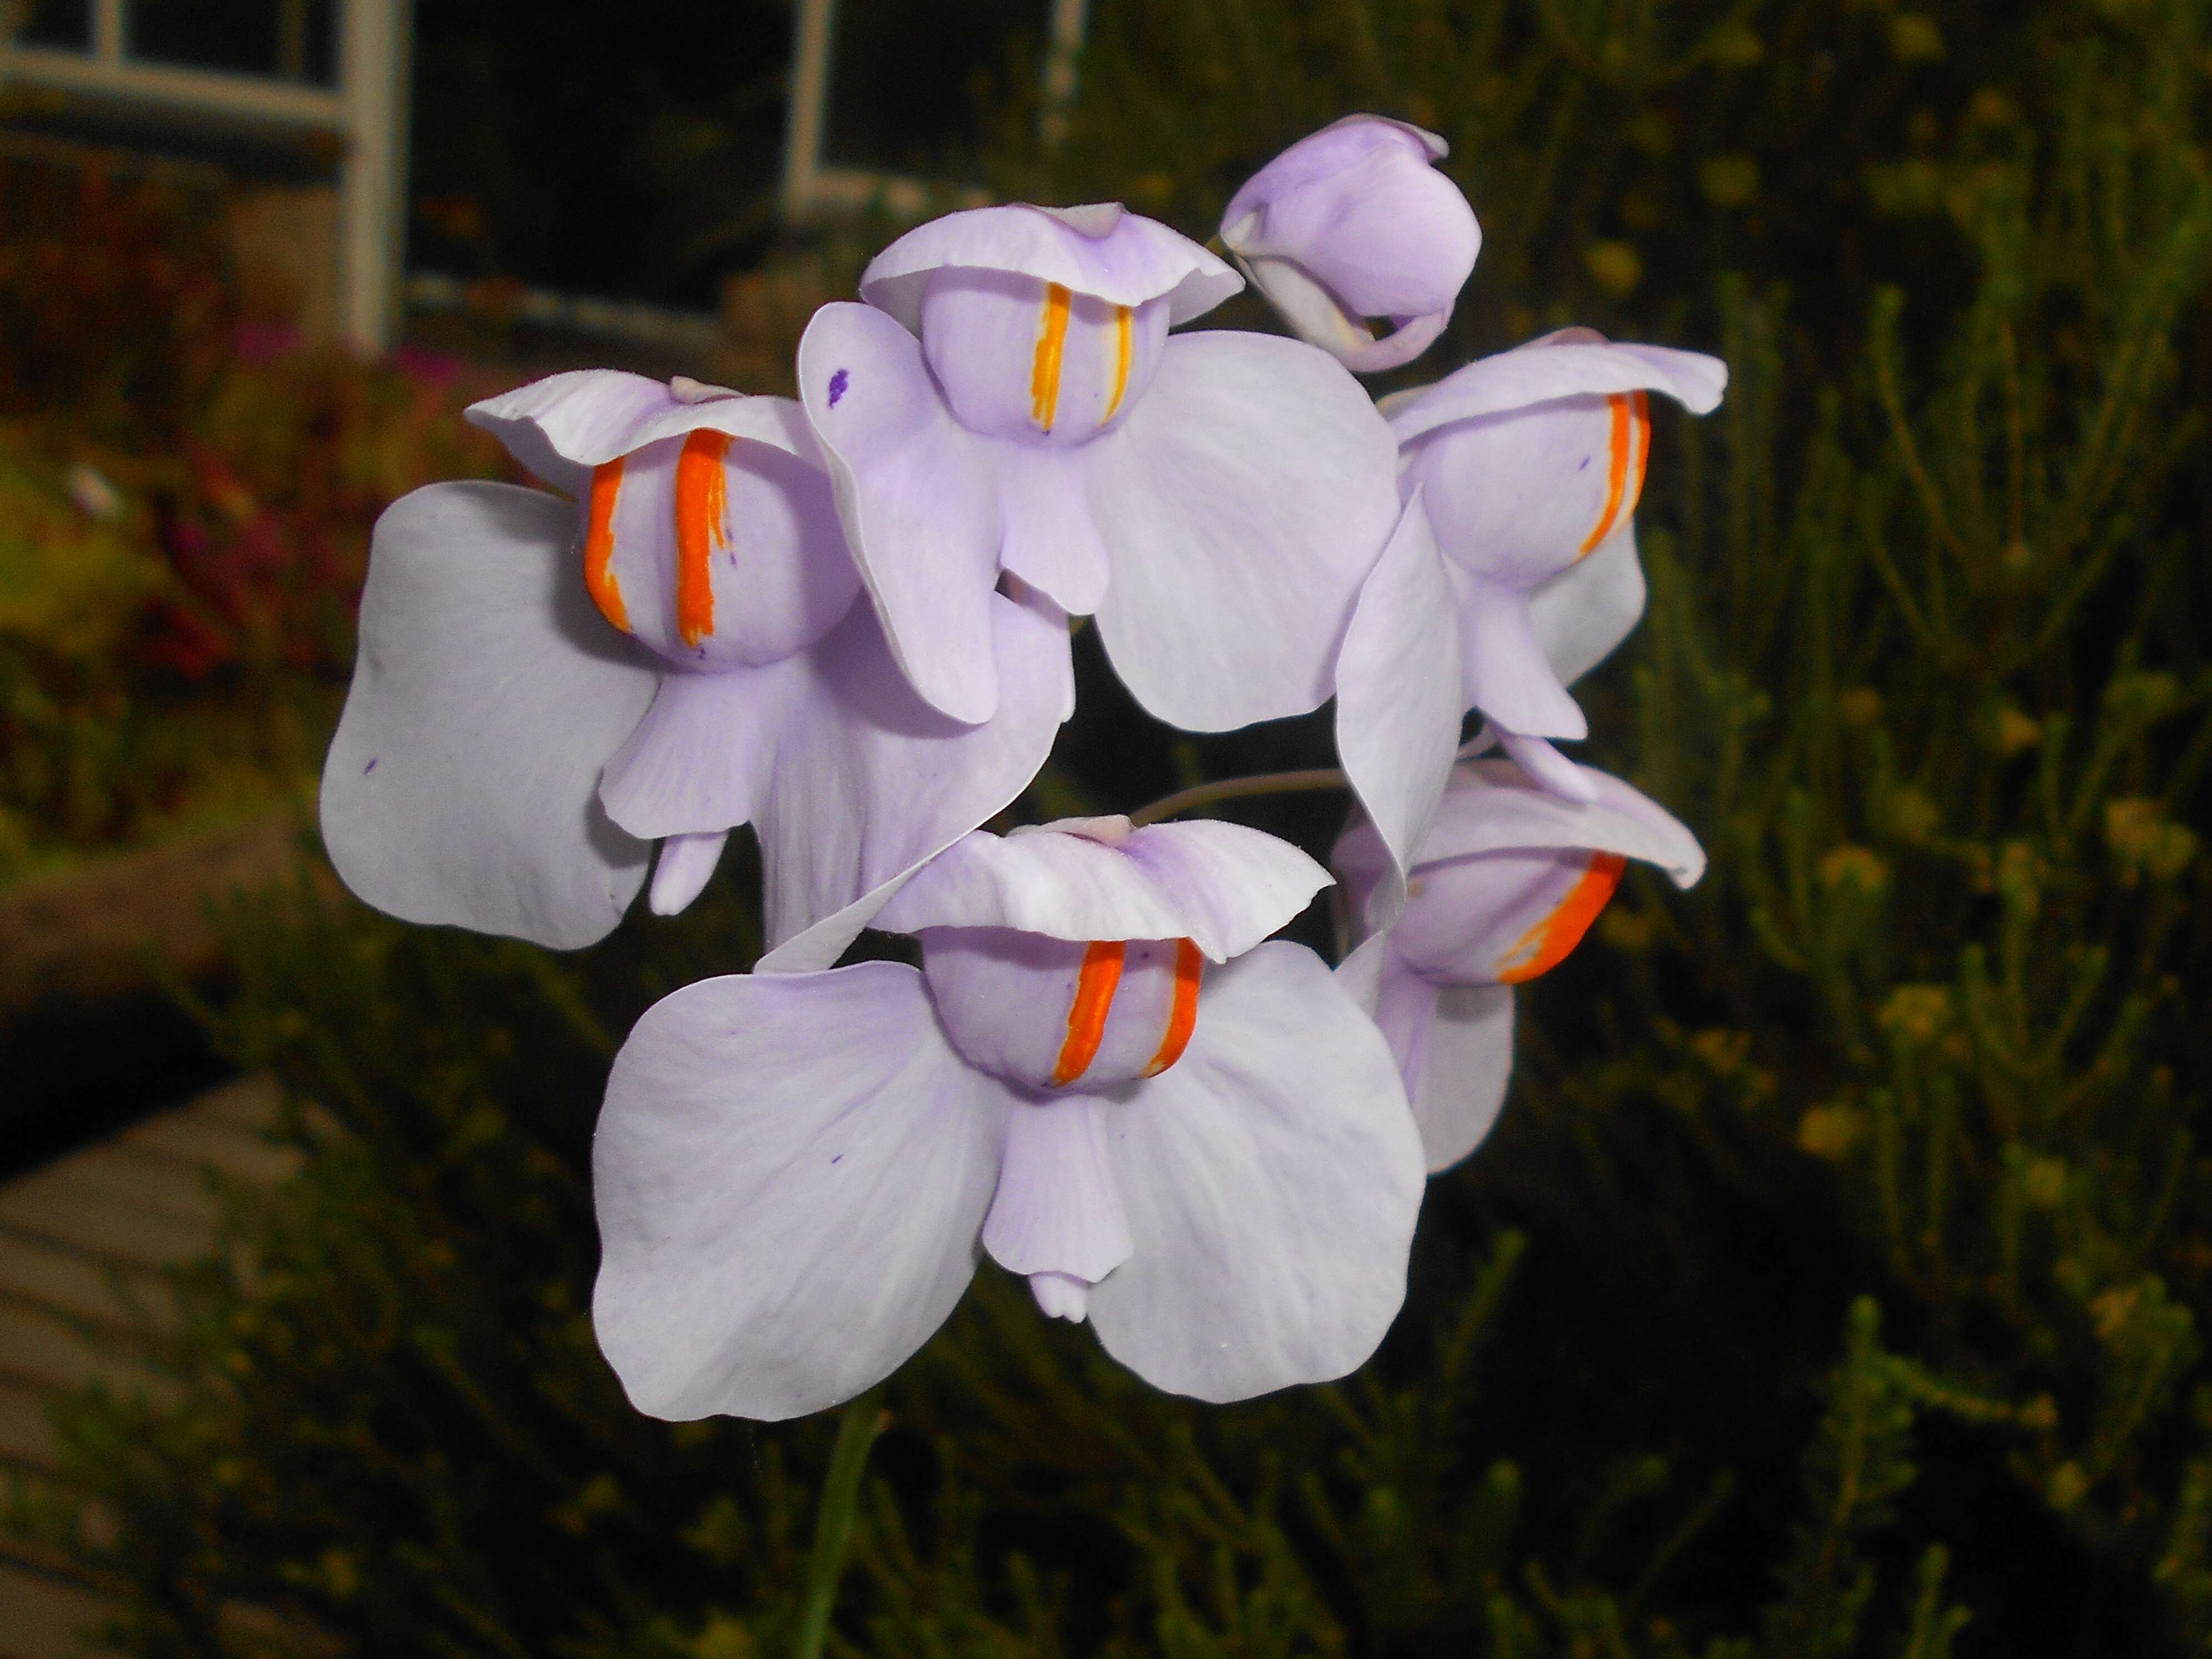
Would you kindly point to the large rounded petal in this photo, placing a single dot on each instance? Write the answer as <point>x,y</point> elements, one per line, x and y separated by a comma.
<point>1243,502</point>
<point>1223,886</point>
<point>1100,249</point>
<point>1271,1180</point>
<point>916,496</point>
<point>462,785</point>
<point>870,783</point>
<point>1574,362</point>
<point>1398,700</point>
<point>1586,611</point>
<point>791,1175</point>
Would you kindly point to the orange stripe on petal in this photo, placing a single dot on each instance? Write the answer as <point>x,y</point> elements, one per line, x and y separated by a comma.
<point>702,501</point>
<point>1616,470</point>
<point>1044,371</point>
<point>599,544</point>
<point>1546,946</point>
<point>1122,347</point>
<point>1182,1013</point>
<point>1101,976</point>
<point>1640,406</point>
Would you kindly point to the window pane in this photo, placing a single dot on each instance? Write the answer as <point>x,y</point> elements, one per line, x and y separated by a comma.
<point>57,23</point>
<point>294,39</point>
<point>907,83</point>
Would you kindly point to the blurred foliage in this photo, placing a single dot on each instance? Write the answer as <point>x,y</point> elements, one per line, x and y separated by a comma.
<point>184,508</point>
<point>112,299</point>
<point>1835,1282</point>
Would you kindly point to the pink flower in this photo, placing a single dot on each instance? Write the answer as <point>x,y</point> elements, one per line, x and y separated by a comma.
<point>545,687</point>
<point>1508,881</point>
<point>1530,463</point>
<point>1100,1077</point>
<point>1009,399</point>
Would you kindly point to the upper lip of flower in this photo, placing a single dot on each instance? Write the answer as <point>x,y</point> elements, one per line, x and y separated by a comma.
<point>1491,807</point>
<point>1133,260</point>
<point>1570,363</point>
<point>1223,886</point>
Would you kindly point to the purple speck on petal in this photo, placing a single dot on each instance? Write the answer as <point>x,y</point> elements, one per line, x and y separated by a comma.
<point>840,1159</point>
<point>838,382</point>
<point>371,767</point>
<point>1584,467</point>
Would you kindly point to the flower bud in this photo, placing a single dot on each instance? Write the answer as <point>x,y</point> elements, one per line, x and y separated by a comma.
<point>1354,222</point>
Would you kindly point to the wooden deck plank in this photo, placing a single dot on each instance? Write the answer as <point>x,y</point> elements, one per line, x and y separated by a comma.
<point>198,1141</point>
<point>249,1104</point>
<point>111,1175</point>
<point>26,1436</point>
<point>69,1232</point>
<point>89,1223</point>
<point>42,1349</point>
<point>47,1275</point>
<point>42,1618</point>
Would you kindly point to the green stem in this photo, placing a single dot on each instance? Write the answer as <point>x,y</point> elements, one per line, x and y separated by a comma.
<point>857,1430</point>
<point>1265,783</point>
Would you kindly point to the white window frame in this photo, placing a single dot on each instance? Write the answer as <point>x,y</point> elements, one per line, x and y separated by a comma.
<point>367,113</point>
<point>811,190</point>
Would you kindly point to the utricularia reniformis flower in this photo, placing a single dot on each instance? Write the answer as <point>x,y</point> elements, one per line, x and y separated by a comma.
<point>1511,878</point>
<point>546,687</point>
<point>845,622</point>
<point>1009,399</point>
<point>1528,463</point>
<point>1099,1077</point>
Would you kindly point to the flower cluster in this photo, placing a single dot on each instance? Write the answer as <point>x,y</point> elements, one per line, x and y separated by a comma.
<point>844,621</point>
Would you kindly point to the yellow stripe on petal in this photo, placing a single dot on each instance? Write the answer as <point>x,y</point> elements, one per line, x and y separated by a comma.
<point>1123,345</point>
<point>1044,371</point>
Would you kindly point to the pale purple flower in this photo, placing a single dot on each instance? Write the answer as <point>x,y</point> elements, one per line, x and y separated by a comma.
<point>545,687</point>
<point>1008,399</point>
<point>1511,878</point>
<point>1529,464</point>
<point>1355,222</point>
<point>1100,1077</point>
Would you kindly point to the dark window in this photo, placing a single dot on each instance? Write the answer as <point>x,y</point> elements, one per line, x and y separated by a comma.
<point>295,40</point>
<point>909,85</point>
<point>57,23</point>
